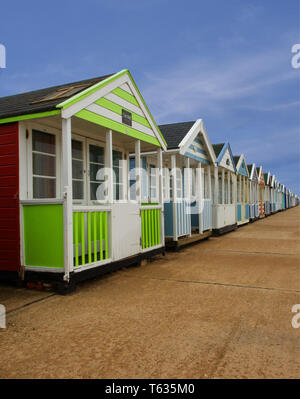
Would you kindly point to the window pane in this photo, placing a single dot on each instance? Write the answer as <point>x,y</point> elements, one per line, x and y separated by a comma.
<point>96,172</point>
<point>77,151</point>
<point>44,188</point>
<point>77,169</point>
<point>117,156</point>
<point>97,191</point>
<point>77,189</point>
<point>220,191</point>
<point>117,191</point>
<point>43,142</point>
<point>96,154</point>
<point>117,175</point>
<point>43,165</point>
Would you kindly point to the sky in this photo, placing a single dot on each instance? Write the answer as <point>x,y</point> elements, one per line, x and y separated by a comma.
<point>227,62</point>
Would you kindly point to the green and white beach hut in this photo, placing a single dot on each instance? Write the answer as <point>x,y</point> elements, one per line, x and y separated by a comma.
<point>65,162</point>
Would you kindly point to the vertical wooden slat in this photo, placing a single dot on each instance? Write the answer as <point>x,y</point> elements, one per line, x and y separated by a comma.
<point>155,226</point>
<point>146,229</point>
<point>143,228</point>
<point>89,237</point>
<point>101,237</point>
<point>105,235</point>
<point>76,238</point>
<point>95,236</point>
<point>152,227</point>
<point>158,227</point>
<point>82,239</point>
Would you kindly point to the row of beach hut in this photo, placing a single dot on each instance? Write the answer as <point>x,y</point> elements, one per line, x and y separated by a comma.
<point>89,183</point>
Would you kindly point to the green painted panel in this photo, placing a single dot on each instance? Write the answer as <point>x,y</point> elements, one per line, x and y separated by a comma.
<point>125,95</point>
<point>150,227</point>
<point>43,235</point>
<point>102,121</point>
<point>105,103</point>
<point>29,116</point>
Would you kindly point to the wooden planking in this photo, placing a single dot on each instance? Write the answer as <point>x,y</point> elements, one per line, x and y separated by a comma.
<point>9,194</point>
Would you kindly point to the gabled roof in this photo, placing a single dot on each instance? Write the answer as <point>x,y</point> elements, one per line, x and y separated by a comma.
<point>273,181</point>
<point>236,159</point>
<point>220,150</point>
<point>253,172</point>
<point>191,139</point>
<point>267,178</point>
<point>260,175</point>
<point>240,164</point>
<point>174,133</point>
<point>38,100</point>
<point>99,100</point>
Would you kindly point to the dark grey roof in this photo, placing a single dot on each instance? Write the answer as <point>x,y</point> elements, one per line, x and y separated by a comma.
<point>236,159</point>
<point>22,104</point>
<point>175,132</point>
<point>218,148</point>
<point>249,167</point>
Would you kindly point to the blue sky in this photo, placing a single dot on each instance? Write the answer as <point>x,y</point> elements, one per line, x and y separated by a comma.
<point>228,62</point>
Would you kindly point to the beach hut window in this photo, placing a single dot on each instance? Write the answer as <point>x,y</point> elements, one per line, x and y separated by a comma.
<point>166,185</point>
<point>226,192</point>
<point>238,191</point>
<point>117,175</point>
<point>231,191</point>
<point>213,185</point>
<point>242,190</point>
<point>96,172</point>
<point>43,164</point>
<point>132,178</point>
<point>179,183</point>
<point>193,183</point>
<point>144,179</point>
<point>152,182</point>
<point>77,170</point>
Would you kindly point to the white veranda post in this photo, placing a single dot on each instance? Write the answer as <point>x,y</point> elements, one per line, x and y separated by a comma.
<point>108,168</point>
<point>216,181</point>
<point>223,185</point>
<point>174,186</point>
<point>200,197</point>
<point>138,178</point>
<point>160,192</point>
<point>67,185</point>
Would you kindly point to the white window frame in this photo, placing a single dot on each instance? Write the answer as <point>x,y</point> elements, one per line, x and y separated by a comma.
<point>100,144</point>
<point>55,132</point>
<point>84,148</point>
<point>123,169</point>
